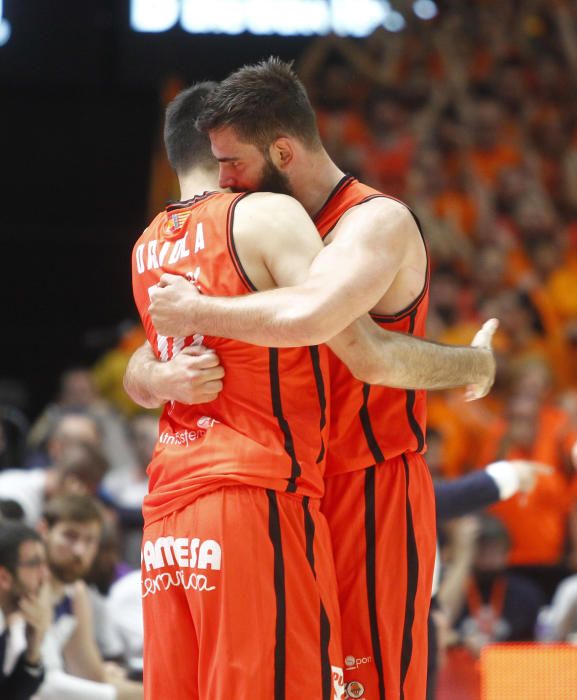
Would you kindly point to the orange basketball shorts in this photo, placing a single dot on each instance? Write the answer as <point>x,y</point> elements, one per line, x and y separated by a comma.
<point>240,600</point>
<point>382,523</point>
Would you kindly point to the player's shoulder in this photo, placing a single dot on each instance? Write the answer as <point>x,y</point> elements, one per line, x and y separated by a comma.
<point>267,212</point>
<point>269,202</point>
<point>379,215</point>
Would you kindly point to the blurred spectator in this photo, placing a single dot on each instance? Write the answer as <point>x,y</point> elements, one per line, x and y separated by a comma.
<point>78,469</point>
<point>108,371</point>
<point>25,610</point>
<point>124,490</point>
<point>105,570</point>
<point>498,605</point>
<point>71,527</point>
<point>78,394</point>
<point>533,428</point>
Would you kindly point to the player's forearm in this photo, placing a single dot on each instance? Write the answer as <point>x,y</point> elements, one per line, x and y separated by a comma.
<point>139,378</point>
<point>287,317</point>
<point>416,363</point>
<point>377,356</point>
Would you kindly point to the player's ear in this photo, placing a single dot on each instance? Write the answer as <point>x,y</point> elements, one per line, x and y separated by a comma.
<point>281,152</point>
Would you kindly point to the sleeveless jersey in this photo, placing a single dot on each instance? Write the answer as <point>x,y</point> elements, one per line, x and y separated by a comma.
<point>268,427</point>
<point>370,424</point>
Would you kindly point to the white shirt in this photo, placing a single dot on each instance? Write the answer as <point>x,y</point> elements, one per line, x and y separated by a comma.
<point>26,487</point>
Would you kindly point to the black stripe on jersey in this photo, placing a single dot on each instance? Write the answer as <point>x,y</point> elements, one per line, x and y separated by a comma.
<point>341,184</point>
<point>279,589</point>
<point>368,428</point>
<point>415,427</point>
<point>309,534</point>
<point>282,422</point>
<point>325,625</point>
<point>232,248</point>
<point>371,555</point>
<point>320,384</point>
<point>412,581</point>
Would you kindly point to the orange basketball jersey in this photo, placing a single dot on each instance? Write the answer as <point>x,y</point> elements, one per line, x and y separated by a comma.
<point>268,426</point>
<point>370,424</point>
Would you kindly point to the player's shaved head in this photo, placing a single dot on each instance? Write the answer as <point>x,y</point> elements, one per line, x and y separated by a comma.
<point>262,102</point>
<point>186,146</point>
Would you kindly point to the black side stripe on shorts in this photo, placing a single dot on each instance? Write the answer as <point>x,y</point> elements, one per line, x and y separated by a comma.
<point>320,384</point>
<point>283,425</point>
<point>325,625</point>
<point>370,537</point>
<point>368,428</point>
<point>412,581</point>
<point>415,427</point>
<point>279,589</point>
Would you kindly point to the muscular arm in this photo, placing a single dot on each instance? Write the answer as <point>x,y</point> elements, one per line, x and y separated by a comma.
<point>332,287</point>
<point>378,356</point>
<point>322,290</point>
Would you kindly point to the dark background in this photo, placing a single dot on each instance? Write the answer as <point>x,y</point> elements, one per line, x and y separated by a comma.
<point>80,110</point>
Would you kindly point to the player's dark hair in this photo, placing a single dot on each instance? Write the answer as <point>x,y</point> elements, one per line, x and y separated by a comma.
<point>262,102</point>
<point>12,535</point>
<point>186,146</point>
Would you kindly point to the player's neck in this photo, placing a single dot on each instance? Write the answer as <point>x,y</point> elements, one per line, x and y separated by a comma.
<point>317,179</point>
<point>197,181</point>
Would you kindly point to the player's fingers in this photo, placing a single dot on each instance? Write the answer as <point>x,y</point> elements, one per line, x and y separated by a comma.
<point>211,374</point>
<point>484,337</point>
<point>198,351</point>
<point>213,388</point>
<point>207,362</point>
<point>474,392</point>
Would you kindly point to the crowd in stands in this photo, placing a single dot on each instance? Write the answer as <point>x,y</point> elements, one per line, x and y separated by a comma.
<point>471,120</point>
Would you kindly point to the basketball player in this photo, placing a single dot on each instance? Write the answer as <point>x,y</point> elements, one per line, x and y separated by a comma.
<point>239,579</point>
<point>379,499</point>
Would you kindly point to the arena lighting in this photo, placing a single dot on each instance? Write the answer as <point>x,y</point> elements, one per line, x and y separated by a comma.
<point>425,9</point>
<point>5,27</point>
<point>356,18</point>
<point>394,21</point>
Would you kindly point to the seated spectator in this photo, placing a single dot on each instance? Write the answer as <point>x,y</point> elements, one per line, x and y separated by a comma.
<point>25,610</point>
<point>78,394</point>
<point>558,622</point>
<point>79,469</point>
<point>69,428</point>
<point>498,606</point>
<point>71,527</point>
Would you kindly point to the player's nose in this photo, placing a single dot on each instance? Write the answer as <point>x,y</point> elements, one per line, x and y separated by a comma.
<point>225,180</point>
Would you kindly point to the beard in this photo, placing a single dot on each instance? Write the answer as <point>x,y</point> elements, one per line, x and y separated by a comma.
<point>68,573</point>
<point>271,180</point>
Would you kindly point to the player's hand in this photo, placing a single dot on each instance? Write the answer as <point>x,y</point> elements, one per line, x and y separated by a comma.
<point>193,376</point>
<point>172,306</point>
<point>528,472</point>
<point>483,340</point>
<point>37,612</point>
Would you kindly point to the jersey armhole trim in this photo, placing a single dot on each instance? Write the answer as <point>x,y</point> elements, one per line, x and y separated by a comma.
<point>245,279</point>
<point>341,184</point>
<point>391,318</point>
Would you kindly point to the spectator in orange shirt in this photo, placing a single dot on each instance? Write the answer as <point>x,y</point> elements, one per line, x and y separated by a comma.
<point>490,153</point>
<point>541,432</point>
